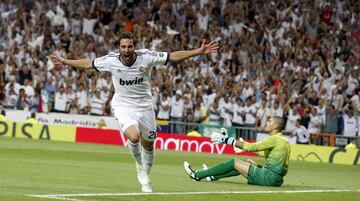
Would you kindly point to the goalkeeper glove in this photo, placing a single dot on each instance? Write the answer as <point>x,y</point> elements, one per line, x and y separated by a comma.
<point>222,138</point>
<point>238,150</point>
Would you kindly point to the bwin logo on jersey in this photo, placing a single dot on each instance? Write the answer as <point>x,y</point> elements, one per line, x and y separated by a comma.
<point>131,82</point>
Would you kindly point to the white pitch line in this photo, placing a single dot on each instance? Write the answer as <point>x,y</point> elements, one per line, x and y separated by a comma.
<point>65,196</point>
<point>55,197</point>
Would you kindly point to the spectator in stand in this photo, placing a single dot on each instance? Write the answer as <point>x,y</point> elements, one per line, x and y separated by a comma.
<point>14,83</point>
<point>97,104</point>
<point>104,93</point>
<point>177,113</point>
<point>29,89</point>
<point>188,105</point>
<point>61,100</point>
<point>331,120</point>
<point>248,89</point>
<point>355,99</point>
<point>315,122</point>
<point>350,123</point>
<point>301,133</point>
<point>164,107</point>
<point>262,115</point>
<point>204,112</point>
<point>276,109</point>
<point>214,117</point>
<point>292,118</point>
<point>188,121</point>
<point>238,115</point>
<point>226,110</point>
<point>82,97</point>
<point>22,102</point>
<point>313,99</point>
<point>10,97</point>
<point>321,109</point>
<point>35,101</point>
<point>208,97</point>
<point>73,107</point>
<point>250,118</point>
<point>25,74</point>
<point>70,94</point>
<point>49,86</point>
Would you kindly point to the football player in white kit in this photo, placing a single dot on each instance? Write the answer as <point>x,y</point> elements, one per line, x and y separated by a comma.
<point>132,101</point>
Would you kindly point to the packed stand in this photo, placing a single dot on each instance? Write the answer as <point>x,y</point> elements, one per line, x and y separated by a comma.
<point>299,60</point>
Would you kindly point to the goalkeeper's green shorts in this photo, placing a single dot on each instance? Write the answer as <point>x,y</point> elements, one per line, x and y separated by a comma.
<point>263,177</point>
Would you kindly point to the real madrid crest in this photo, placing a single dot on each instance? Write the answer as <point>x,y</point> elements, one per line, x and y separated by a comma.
<point>141,69</point>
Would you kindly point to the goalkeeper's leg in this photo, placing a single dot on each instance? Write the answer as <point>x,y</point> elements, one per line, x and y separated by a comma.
<point>226,169</point>
<point>229,174</point>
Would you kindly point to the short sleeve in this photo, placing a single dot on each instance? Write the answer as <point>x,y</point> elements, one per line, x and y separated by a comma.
<point>102,63</point>
<point>158,58</point>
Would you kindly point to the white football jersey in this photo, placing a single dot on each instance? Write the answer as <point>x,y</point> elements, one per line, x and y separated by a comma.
<point>131,83</point>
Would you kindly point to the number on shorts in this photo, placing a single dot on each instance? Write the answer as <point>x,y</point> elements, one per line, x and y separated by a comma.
<point>152,135</point>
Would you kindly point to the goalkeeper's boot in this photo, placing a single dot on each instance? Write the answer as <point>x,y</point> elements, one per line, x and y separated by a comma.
<point>205,167</point>
<point>143,178</point>
<point>190,171</point>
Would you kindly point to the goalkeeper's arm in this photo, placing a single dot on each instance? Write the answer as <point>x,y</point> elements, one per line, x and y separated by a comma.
<point>224,138</point>
<point>239,144</point>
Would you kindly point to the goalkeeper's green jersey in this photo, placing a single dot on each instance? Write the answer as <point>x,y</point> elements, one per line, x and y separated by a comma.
<point>277,152</point>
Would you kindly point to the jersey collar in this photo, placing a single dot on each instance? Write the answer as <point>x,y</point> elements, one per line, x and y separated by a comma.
<point>129,64</point>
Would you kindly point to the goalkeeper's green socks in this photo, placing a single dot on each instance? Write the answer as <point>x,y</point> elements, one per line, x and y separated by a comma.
<point>229,174</point>
<point>226,169</point>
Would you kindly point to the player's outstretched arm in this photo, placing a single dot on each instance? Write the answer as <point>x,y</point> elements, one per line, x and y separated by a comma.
<point>79,63</point>
<point>204,49</point>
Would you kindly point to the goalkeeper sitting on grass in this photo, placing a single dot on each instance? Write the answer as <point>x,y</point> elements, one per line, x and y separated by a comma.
<point>277,153</point>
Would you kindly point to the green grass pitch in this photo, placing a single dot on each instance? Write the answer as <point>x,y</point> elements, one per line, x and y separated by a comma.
<point>92,172</point>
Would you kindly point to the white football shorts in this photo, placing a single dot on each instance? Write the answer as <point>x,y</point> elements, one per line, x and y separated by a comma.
<point>145,119</point>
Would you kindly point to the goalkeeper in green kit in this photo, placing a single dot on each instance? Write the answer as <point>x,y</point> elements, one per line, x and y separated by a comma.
<point>275,147</point>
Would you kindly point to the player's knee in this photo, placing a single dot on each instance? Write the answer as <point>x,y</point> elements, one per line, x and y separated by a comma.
<point>148,146</point>
<point>133,138</point>
<point>248,160</point>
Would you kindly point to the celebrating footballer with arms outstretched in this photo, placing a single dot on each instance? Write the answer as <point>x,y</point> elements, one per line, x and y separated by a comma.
<point>132,102</point>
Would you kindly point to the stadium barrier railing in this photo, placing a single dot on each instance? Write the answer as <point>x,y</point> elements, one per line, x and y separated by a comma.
<point>249,134</point>
<point>328,139</point>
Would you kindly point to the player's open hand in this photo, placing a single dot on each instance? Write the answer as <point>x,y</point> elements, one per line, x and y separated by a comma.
<point>222,138</point>
<point>56,60</point>
<point>218,138</point>
<point>213,46</point>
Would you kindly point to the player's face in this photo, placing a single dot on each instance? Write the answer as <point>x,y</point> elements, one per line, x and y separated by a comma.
<point>270,125</point>
<point>127,50</point>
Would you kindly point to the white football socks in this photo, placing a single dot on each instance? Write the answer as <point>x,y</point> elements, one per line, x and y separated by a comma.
<point>147,159</point>
<point>135,151</point>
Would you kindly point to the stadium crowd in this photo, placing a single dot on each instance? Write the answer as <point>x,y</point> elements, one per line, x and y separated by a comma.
<point>298,59</point>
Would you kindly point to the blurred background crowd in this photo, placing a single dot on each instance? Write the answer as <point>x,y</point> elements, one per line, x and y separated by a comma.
<point>297,59</point>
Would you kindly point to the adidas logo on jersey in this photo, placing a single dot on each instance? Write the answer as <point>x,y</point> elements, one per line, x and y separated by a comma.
<point>131,82</point>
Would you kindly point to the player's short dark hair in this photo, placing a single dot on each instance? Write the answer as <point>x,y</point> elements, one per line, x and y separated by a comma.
<point>33,115</point>
<point>279,121</point>
<point>128,35</point>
